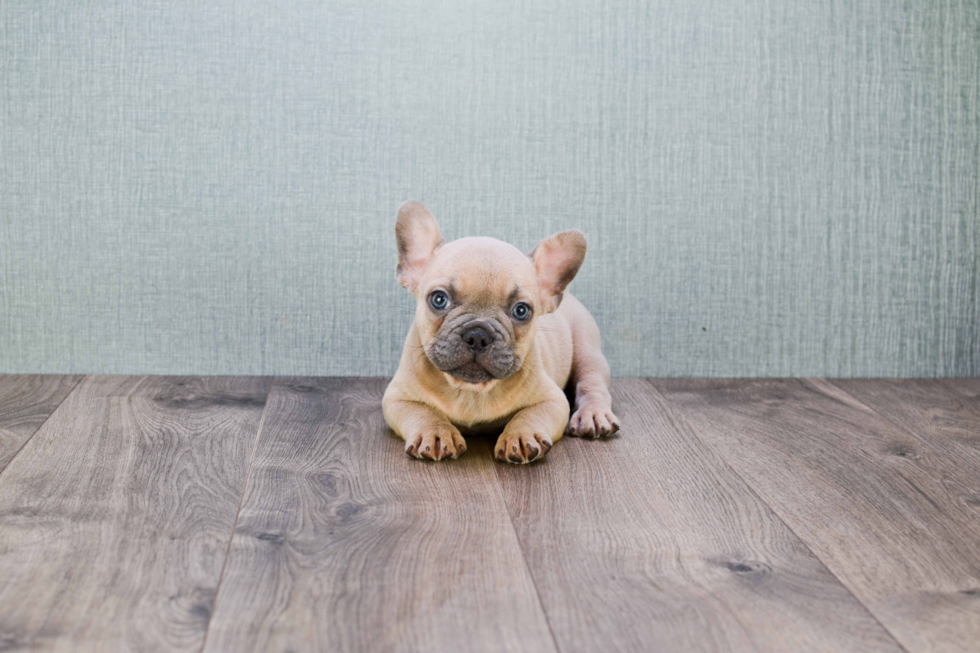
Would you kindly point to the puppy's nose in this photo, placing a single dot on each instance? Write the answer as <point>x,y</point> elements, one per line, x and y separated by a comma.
<point>477,339</point>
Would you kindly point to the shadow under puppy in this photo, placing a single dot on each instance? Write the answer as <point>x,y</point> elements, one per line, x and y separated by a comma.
<point>494,343</point>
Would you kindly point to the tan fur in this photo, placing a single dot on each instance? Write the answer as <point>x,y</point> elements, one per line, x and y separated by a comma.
<point>431,410</point>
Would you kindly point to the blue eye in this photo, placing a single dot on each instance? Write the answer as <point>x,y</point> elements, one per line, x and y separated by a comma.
<point>439,300</point>
<point>521,311</point>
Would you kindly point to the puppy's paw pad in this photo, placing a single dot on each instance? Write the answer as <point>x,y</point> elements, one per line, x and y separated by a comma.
<point>521,448</point>
<point>439,444</point>
<point>592,422</point>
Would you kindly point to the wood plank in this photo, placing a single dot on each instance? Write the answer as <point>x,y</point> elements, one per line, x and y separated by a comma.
<point>26,401</point>
<point>116,517</point>
<point>938,416</point>
<point>888,515</point>
<point>968,387</point>
<point>345,543</point>
<point>648,541</point>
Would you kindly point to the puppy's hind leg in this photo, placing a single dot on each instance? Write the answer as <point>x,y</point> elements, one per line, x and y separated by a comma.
<point>593,416</point>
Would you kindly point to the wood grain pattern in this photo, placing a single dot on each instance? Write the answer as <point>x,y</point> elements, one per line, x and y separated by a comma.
<point>116,517</point>
<point>649,541</point>
<point>886,513</point>
<point>344,543</point>
<point>969,388</point>
<point>696,529</point>
<point>26,400</point>
<point>941,419</point>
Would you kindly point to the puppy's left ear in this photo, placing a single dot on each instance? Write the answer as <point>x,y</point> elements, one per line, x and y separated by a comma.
<point>418,237</point>
<point>557,260</point>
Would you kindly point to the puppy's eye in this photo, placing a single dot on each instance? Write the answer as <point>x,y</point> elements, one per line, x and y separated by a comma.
<point>439,300</point>
<point>521,311</point>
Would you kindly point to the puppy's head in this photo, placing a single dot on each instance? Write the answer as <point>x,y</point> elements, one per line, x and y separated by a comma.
<point>478,299</point>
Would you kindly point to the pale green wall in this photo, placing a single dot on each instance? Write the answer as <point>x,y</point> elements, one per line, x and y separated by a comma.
<point>770,187</point>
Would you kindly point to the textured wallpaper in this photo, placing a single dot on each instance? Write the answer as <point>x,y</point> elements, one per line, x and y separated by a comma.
<point>769,187</point>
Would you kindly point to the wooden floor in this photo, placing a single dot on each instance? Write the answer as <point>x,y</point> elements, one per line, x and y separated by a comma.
<point>252,514</point>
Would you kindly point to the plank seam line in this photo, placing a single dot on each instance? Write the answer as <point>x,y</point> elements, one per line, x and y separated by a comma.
<point>946,382</point>
<point>520,547</point>
<point>903,427</point>
<point>680,416</point>
<point>46,420</point>
<point>238,512</point>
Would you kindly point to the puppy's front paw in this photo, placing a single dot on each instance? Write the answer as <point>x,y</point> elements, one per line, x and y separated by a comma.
<point>436,444</point>
<point>521,447</point>
<point>592,422</point>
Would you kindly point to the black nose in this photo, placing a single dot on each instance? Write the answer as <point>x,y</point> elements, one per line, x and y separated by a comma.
<point>477,339</point>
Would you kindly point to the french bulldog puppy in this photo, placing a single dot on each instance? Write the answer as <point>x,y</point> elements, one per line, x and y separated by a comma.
<point>494,344</point>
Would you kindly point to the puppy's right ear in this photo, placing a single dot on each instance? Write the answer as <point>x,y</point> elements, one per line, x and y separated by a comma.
<point>418,237</point>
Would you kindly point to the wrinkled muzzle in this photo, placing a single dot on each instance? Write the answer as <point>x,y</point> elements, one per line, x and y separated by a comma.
<point>473,351</point>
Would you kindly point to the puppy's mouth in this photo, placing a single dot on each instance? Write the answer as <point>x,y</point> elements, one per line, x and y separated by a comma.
<point>471,372</point>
